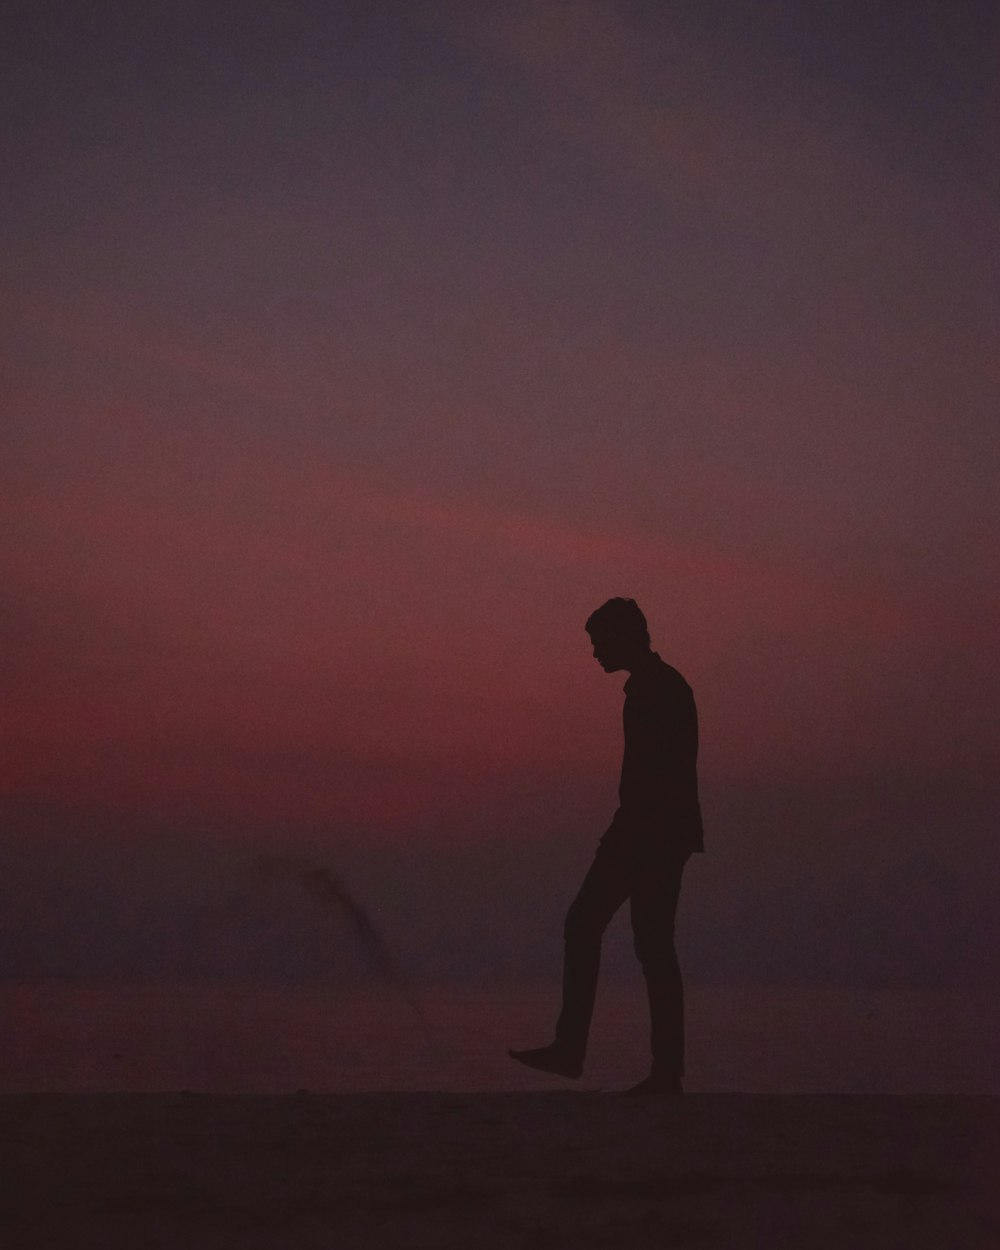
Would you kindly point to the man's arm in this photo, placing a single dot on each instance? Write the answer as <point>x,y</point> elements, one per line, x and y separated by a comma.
<point>658,787</point>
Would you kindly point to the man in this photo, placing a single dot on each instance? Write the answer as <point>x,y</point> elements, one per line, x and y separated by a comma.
<point>640,858</point>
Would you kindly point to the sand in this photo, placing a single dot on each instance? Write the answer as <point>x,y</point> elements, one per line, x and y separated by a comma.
<point>363,1171</point>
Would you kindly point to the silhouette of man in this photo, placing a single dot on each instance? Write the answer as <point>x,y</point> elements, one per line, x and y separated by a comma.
<point>641,857</point>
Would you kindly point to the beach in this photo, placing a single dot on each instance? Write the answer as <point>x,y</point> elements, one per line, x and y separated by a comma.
<point>452,1171</point>
<point>218,1038</point>
<point>262,1116</point>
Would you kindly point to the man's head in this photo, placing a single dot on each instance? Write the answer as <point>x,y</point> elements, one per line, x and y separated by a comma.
<point>619,634</point>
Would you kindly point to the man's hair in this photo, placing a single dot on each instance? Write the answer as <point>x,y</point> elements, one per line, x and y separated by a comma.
<point>619,616</point>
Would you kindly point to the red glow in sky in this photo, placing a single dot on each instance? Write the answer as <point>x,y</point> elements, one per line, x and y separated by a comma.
<point>355,358</point>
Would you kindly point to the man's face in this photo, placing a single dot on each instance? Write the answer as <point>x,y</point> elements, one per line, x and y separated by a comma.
<point>611,651</point>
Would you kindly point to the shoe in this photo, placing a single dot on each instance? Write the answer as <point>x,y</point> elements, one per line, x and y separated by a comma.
<point>550,1059</point>
<point>656,1085</point>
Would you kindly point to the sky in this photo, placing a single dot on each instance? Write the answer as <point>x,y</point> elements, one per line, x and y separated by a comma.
<point>355,352</point>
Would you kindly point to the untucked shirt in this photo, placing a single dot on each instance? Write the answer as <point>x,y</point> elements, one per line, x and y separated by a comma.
<point>658,792</point>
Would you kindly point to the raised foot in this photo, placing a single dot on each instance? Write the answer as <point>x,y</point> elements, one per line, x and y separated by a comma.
<point>550,1059</point>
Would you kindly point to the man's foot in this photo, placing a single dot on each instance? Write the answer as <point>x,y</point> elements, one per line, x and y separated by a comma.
<point>656,1085</point>
<point>550,1059</point>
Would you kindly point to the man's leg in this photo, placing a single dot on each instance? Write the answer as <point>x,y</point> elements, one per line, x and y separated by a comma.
<point>604,889</point>
<point>654,907</point>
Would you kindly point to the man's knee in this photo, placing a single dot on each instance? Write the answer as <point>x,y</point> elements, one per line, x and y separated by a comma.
<point>583,925</point>
<point>655,948</point>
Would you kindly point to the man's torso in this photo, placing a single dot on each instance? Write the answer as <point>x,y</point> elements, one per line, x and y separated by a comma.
<point>658,792</point>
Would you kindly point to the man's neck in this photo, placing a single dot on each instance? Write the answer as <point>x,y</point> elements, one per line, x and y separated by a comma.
<point>641,661</point>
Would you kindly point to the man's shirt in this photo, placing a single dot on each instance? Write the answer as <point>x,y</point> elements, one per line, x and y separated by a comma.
<point>658,793</point>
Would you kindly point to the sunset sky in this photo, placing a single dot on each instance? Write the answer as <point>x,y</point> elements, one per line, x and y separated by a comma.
<point>356,351</point>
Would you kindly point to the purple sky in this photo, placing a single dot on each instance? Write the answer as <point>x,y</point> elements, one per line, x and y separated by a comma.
<point>356,352</point>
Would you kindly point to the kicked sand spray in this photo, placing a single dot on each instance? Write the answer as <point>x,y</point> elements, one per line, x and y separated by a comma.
<point>330,891</point>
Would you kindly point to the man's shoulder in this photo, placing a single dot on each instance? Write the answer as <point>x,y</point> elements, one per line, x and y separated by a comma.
<point>669,677</point>
<point>659,680</point>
